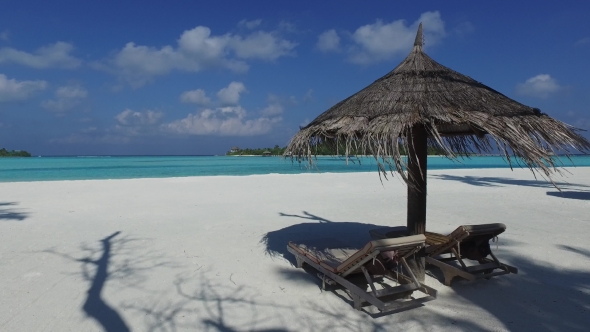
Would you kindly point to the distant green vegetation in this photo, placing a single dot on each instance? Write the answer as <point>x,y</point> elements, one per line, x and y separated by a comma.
<point>276,151</point>
<point>13,153</point>
<point>320,150</point>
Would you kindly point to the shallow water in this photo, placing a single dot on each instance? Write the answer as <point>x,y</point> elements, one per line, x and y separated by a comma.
<point>86,168</point>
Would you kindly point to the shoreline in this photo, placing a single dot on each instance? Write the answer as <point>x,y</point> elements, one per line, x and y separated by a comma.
<point>389,174</point>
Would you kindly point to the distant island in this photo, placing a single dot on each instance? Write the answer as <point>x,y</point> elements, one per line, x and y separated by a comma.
<point>13,153</point>
<point>320,150</point>
<point>276,151</point>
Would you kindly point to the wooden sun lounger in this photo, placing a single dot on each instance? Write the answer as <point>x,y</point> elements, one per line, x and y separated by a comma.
<point>336,266</point>
<point>467,241</point>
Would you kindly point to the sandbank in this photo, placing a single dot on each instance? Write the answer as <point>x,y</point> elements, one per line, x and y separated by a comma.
<point>208,253</point>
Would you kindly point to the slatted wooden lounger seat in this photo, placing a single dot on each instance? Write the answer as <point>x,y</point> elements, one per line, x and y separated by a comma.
<point>376,260</point>
<point>467,241</point>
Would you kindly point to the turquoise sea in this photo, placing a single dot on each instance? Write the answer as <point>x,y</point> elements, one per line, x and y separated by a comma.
<point>86,168</point>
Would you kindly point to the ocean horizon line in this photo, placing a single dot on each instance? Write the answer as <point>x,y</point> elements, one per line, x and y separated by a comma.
<point>224,155</point>
<point>125,155</point>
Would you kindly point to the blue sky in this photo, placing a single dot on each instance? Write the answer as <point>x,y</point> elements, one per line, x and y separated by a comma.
<point>188,77</point>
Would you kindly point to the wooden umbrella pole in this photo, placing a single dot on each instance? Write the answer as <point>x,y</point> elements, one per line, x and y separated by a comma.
<point>417,162</point>
<point>417,156</point>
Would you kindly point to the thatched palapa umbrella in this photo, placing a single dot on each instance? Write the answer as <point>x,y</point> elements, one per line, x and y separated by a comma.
<point>422,104</point>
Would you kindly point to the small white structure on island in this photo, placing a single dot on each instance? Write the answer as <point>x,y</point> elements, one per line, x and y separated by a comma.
<point>234,149</point>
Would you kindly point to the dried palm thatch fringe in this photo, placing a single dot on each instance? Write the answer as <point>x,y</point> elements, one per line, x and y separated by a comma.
<point>461,116</point>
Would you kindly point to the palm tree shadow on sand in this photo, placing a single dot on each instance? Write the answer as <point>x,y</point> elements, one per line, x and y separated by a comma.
<point>95,306</point>
<point>98,266</point>
<point>8,213</point>
<point>204,302</point>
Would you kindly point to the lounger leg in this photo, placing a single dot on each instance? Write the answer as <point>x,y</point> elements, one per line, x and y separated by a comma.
<point>299,261</point>
<point>448,277</point>
<point>357,301</point>
<point>369,280</point>
<point>488,271</point>
<point>447,273</point>
<point>504,267</point>
<point>459,259</point>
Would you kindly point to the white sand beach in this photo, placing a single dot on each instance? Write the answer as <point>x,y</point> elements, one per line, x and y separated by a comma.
<point>209,253</point>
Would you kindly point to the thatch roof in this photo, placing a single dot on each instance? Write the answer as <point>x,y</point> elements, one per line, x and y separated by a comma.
<point>461,116</point>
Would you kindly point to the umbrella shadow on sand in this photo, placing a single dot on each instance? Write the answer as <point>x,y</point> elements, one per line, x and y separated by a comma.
<point>540,297</point>
<point>320,233</point>
<point>492,181</point>
<point>486,181</point>
<point>580,195</point>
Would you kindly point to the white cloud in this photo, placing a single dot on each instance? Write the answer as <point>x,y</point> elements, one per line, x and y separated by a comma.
<point>133,118</point>
<point>328,41</point>
<point>221,121</point>
<point>583,41</point>
<point>67,97</point>
<point>304,123</point>
<point>55,55</point>
<point>582,123</point>
<point>197,50</point>
<point>308,97</point>
<point>287,26</point>
<point>261,45</point>
<point>274,107</point>
<point>463,29</point>
<point>224,121</point>
<point>132,123</point>
<point>381,41</point>
<point>5,35</point>
<point>200,49</point>
<point>579,121</point>
<point>197,96</point>
<point>92,136</point>
<point>71,92</point>
<point>129,125</point>
<point>13,90</point>
<point>230,119</point>
<point>540,86</point>
<point>138,64</point>
<point>231,94</point>
<point>249,24</point>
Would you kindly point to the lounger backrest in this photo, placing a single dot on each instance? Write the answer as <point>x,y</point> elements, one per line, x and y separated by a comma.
<point>403,245</point>
<point>486,230</point>
<point>463,233</point>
